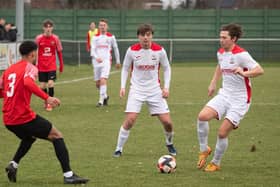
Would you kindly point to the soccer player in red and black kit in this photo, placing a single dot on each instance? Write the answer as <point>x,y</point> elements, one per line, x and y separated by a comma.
<point>17,84</point>
<point>48,46</point>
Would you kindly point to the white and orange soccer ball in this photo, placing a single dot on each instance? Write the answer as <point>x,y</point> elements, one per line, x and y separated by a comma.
<point>166,164</point>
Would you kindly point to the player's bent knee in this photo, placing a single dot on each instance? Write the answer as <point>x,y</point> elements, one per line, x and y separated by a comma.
<point>50,85</point>
<point>222,134</point>
<point>202,117</point>
<point>55,134</point>
<point>128,124</point>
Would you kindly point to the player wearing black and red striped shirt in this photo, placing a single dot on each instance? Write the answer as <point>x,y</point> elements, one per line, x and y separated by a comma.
<point>17,84</point>
<point>48,46</point>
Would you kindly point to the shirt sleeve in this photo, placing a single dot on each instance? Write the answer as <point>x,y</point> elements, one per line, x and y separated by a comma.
<point>61,63</point>
<point>30,84</point>
<point>37,40</point>
<point>31,73</point>
<point>116,49</point>
<point>125,68</point>
<point>93,48</point>
<point>88,41</point>
<point>166,69</point>
<point>58,44</point>
<point>245,60</point>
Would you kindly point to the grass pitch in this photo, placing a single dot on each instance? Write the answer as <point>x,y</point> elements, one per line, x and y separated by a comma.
<point>91,134</point>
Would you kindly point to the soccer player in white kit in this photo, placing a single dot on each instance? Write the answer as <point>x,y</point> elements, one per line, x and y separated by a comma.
<point>101,48</point>
<point>144,60</point>
<point>235,67</point>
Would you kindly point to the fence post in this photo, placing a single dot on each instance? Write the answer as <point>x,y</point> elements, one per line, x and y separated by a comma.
<point>170,50</point>
<point>79,53</point>
<point>20,19</point>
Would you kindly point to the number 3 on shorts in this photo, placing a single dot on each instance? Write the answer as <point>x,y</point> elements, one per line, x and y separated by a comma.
<point>12,79</point>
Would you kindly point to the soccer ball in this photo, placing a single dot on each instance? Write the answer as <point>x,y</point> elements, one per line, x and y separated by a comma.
<point>166,164</point>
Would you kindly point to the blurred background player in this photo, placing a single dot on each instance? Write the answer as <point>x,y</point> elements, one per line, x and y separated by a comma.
<point>17,85</point>
<point>10,32</point>
<point>2,28</point>
<point>235,66</point>
<point>144,59</point>
<point>48,46</point>
<point>101,48</point>
<point>90,34</point>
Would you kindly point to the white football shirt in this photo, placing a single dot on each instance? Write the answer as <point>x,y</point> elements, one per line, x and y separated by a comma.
<point>102,47</point>
<point>235,85</point>
<point>144,65</point>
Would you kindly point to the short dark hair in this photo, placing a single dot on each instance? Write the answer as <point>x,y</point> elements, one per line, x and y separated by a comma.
<point>103,20</point>
<point>47,23</point>
<point>143,28</point>
<point>27,47</point>
<point>234,30</point>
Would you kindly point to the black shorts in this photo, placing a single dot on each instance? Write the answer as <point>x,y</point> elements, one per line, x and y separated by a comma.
<point>37,128</point>
<point>46,76</point>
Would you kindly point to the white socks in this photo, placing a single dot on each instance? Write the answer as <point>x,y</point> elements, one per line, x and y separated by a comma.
<point>202,133</point>
<point>102,93</point>
<point>169,137</point>
<point>221,146</point>
<point>15,165</point>
<point>123,136</point>
<point>68,174</point>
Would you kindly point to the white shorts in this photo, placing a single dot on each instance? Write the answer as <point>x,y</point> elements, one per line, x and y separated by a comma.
<point>101,72</point>
<point>232,109</point>
<point>156,103</point>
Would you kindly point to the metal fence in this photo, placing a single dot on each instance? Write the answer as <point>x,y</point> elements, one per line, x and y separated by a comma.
<point>183,50</point>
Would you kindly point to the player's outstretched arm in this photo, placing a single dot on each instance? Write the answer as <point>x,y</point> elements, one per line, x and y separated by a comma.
<point>32,86</point>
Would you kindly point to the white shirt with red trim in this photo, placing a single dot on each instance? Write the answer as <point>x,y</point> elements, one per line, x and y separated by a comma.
<point>101,47</point>
<point>235,85</point>
<point>144,65</point>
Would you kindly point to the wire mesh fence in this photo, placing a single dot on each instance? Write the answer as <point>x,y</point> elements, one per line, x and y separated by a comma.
<point>181,50</point>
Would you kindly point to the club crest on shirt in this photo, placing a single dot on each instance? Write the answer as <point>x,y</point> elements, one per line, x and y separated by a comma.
<point>137,57</point>
<point>231,61</point>
<point>107,41</point>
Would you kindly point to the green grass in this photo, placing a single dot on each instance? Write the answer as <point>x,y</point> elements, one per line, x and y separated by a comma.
<point>91,134</point>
